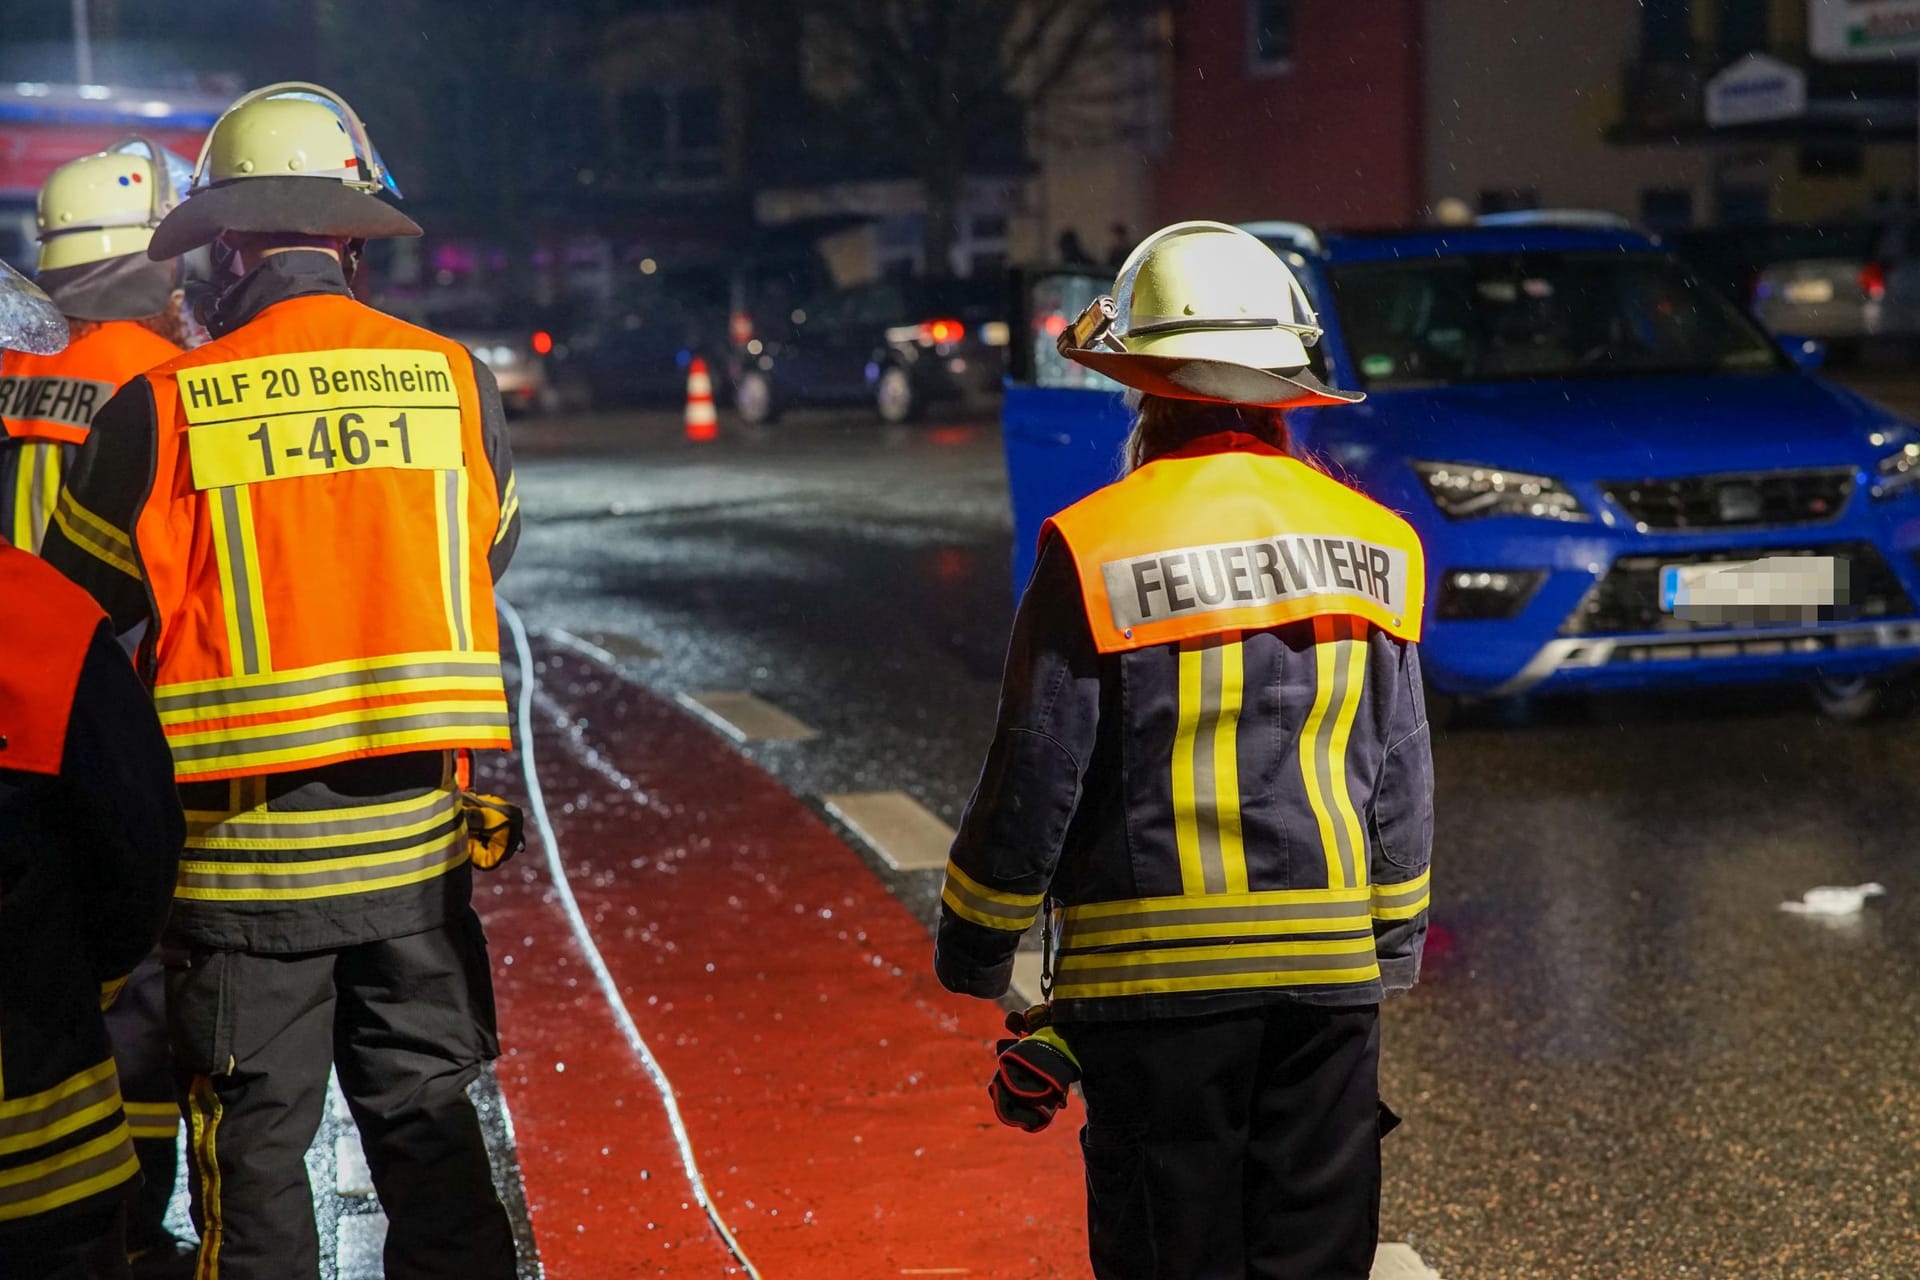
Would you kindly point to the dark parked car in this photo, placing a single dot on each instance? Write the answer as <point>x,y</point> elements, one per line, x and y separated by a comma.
<point>1734,259</point>
<point>503,337</point>
<point>636,349</point>
<point>898,346</point>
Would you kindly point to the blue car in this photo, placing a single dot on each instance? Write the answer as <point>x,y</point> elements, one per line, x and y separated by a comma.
<point>1622,482</point>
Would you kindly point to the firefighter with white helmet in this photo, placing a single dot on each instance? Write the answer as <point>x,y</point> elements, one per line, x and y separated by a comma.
<point>309,512</point>
<point>96,217</point>
<point>1211,780</point>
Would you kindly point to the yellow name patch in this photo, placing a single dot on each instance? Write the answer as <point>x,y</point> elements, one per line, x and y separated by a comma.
<point>318,413</point>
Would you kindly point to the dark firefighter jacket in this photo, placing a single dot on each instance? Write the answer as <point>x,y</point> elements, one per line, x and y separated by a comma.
<point>1223,817</point>
<point>90,833</point>
<point>314,820</point>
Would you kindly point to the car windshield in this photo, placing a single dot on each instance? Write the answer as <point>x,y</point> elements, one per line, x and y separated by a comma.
<point>1519,317</point>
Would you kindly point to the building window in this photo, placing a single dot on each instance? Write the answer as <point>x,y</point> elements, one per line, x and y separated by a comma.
<point>1270,35</point>
<point>1666,30</point>
<point>1666,208</point>
<point>1744,205</point>
<point>1743,27</point>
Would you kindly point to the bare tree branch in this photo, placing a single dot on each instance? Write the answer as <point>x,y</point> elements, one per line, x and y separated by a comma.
<point>943,84</point>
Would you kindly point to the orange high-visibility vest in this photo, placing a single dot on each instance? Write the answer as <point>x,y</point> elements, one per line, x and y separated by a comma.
<point>316,544</point>
<point>46,627</point>
<point>47,403</point>
<point>1229,535</point>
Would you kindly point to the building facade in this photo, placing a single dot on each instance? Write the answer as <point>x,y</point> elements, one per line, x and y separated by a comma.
<point>1309,110</point>
<point>1521,115</point>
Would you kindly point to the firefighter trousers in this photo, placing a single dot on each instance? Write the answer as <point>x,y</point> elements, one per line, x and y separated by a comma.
<point>406,1023</point>
<point>90,1247</point>
<point>137,1025</point>
<point>1237,1146</point>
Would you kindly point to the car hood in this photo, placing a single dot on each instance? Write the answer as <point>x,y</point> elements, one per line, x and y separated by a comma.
<point>1631,427</point>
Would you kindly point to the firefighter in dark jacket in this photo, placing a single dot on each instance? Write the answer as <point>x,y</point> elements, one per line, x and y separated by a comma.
<point>96,218</point>
<point>1211,771</point>
<point>303,519</point>
<point>90,833</point>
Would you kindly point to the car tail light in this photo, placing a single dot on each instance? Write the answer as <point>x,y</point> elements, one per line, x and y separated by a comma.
<point>1873,281</point>
<point>542,342</point>
<point>940,332</point>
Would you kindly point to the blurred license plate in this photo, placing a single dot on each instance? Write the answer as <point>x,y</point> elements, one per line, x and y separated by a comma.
<point>1770,589</point>
<point>1810,291</point>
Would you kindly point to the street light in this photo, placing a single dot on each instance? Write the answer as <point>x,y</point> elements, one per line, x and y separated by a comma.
<point>82,45</point>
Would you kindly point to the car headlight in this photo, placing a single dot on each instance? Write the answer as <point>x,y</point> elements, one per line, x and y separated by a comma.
<point>503,357</point>
<point>1897,473</point>
<point>1465,491</point>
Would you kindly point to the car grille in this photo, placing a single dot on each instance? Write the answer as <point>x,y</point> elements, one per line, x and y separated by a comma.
<point>1627,598</point>
<point>1735,501</point>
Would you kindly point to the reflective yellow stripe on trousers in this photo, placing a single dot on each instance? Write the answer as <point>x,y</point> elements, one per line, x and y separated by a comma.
<point>204,1110</point>
<point>153,1121</point>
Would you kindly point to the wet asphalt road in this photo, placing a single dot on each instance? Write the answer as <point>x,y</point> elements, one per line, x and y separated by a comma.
<point>1624,1060</point>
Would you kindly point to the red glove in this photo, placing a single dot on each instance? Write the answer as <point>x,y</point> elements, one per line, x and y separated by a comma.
<point>1034,1073</point>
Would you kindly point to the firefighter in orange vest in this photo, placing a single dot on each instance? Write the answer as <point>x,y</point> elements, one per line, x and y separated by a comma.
<point>90,833</point>
<point>307,514</point>
<point>96,216</point>
<point>1211,776</point>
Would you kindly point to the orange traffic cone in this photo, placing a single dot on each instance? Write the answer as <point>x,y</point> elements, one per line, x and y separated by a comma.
<point>702,424</point>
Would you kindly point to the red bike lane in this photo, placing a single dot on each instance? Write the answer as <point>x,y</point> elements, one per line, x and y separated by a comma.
<point>832,1092</point>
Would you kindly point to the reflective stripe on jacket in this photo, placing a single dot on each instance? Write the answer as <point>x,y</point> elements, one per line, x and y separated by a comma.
<point>1230,808</point>
<point>315,541</point>
<point>47,405</point>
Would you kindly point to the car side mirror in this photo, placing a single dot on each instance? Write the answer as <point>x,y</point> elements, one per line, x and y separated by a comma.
<point>1808,353</point>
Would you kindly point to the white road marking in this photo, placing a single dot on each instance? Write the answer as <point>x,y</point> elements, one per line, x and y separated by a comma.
<point>607,647</point>
<point>746,718</point>
<point>901,830</point>
<point>351,1176</point>
<point>1400,1262</point>
<point>1026,977</point>
<point>583,937</point>
<point>359,1242</point>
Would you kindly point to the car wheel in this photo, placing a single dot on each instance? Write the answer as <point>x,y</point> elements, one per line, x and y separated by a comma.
<point>753,398</point>
<point>1849,699</point>
<point>896,397</point>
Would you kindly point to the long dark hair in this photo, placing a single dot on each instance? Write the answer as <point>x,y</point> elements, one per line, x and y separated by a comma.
<point>1162,425</point>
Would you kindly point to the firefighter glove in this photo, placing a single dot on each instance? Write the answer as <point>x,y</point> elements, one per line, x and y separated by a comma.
<point>496,830</point>
<point>1031,1080</point>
